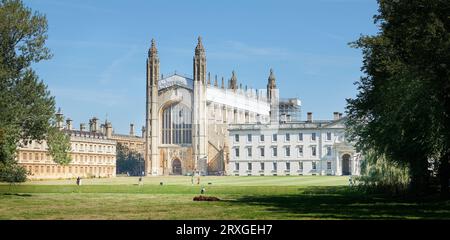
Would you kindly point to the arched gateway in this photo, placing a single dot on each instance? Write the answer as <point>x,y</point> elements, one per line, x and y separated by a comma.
<point>176,167</point>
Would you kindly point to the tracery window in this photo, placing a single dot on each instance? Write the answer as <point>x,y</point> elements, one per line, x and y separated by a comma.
<point>176,125</point>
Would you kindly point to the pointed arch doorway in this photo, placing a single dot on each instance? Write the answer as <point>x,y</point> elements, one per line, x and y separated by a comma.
<point>176,167</point>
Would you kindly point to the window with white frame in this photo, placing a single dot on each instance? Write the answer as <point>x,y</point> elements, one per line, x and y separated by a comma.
<point>328,165</point>
<point>262,166</point>
<point>288,166</point>
<point>314,166</point>
<point>328,150</point>
<point>287,151</point>
<point>249,152</point>
<point>288,137</point>
<point>236,166</point>
<point>249,138</point>
<point>300,150</point>
<point>236,152</point>
<point>261,151</point>
<point>249,166</point>
<point>274,152</point>
<point>274,166</point>
<point>261,138</point>
<point>236,137</point>
<point>313,136</point>
<point>274,137</point>
<point>328,136</point>
<point>300,166</point>
<point>313,151</point>
<point>300,137</point>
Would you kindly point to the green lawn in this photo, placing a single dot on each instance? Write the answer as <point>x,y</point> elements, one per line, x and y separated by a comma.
<point>299,197</point>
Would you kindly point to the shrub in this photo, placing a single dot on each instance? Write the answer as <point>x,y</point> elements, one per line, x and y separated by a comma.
<point>381,175</point>
<point>12,173</point>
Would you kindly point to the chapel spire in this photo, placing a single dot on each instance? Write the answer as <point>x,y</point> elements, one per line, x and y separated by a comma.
<point>200,62</point>
<point>233,81</point>
<point>153,51</point>
<point>199,48</point>
<point>152,65</point>
<point>271,85</point>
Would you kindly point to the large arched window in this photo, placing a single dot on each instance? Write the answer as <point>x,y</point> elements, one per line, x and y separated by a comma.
<point>176,125</point>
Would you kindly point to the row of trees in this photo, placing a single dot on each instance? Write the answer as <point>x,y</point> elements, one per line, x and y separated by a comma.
<point>401,114</point>
<point>27,110</point>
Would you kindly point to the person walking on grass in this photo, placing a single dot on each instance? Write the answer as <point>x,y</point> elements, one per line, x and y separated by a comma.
<point>140,181</point>
<point>78,180</point>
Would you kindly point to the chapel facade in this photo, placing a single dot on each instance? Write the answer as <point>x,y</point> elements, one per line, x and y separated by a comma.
<point>188,117</point>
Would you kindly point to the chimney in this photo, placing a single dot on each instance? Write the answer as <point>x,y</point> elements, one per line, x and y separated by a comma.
<point>143,132</point>
<point>82,127</point>
<point>310,117</point>
<point>69,124</point>
<point>340,115</point>
<point>108,129</point>
<point>336,116</point>
<point>131,129</point>
<point>59,119</point>
<point>93,125</point>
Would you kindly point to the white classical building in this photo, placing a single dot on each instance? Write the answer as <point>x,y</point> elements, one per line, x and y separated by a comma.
<point>292,148</point>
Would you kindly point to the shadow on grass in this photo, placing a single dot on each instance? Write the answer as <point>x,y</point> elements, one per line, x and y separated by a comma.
<point>18,194</point>
<point>344,203</point>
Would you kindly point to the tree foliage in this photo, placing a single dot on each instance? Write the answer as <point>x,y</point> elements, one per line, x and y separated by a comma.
<point>129,161</point>
<point>380,175</point>
<point>26,106</point>
<point>12,173</point>
<point>402,110</point>
<point>59,146</point>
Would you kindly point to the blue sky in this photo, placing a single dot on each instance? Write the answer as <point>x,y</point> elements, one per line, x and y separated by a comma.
<point>100,48</point>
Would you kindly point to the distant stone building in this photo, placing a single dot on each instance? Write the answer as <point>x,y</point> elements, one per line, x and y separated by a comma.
<point>131,141</point>
<point>92,153</point>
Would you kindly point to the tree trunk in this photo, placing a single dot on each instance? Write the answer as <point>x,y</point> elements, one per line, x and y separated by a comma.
<point>444,174</point>
<point>419,176</point>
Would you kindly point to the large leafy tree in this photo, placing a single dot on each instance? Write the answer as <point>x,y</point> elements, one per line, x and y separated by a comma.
<point>129,161</point>
<point>26,106</point>
<point>402,109</point>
